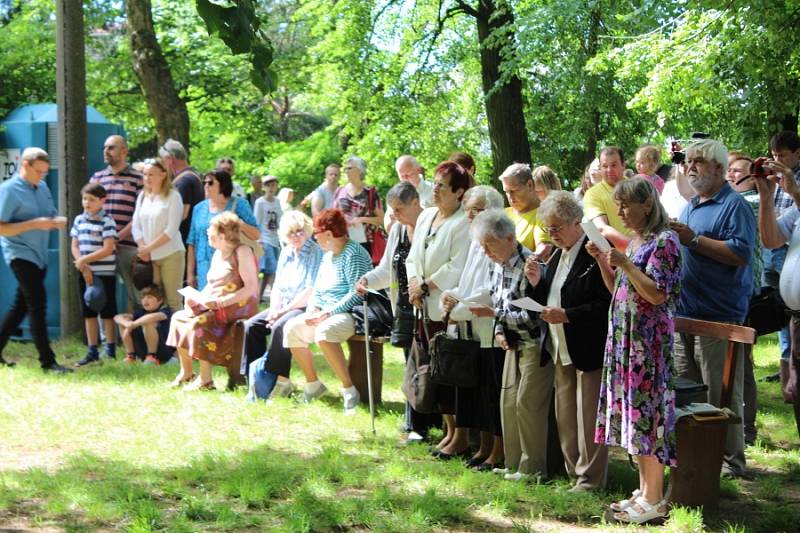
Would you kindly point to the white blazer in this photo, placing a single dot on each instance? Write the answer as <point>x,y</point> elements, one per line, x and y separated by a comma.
<point>383,275</point>
<point>438,256</point>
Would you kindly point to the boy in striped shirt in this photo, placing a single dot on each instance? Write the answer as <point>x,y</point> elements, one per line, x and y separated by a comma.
<point>94,239</point>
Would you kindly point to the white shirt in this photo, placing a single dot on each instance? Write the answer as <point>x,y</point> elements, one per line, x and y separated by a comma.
<point>789,224</point>
<point>558,340</point>
<point>672,200</point>
<point>475,285</point>
<point>155,215</point>
<point>268,215</point>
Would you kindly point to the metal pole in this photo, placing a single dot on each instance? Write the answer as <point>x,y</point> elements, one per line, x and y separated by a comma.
<point>369,362</point>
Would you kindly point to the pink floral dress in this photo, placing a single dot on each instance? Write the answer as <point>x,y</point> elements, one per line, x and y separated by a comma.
<point>637,401</point>
<point>208,333</point>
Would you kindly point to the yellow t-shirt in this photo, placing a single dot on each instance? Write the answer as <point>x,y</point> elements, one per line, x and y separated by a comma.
<point>599,201</point>
<point>529,229</point>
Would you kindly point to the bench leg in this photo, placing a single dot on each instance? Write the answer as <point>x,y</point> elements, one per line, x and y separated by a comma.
<point>357,366</point>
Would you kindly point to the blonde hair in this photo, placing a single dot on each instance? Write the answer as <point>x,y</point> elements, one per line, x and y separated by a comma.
<point>548,179</point>
<point>651,154</point>
<point>639,190</point>
<point>292,221</point>
<point>227,225</point>
<point>166,187</point>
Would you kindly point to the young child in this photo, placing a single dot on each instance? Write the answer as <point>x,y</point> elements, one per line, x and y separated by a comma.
<point>144,333</point>
<point>268,214</point>
<point>648,159</point>
<point>94,241</point>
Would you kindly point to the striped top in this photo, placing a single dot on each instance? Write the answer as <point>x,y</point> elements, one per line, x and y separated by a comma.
<point>91,231</point>
<point>333,289</point>
<point>121,192</point>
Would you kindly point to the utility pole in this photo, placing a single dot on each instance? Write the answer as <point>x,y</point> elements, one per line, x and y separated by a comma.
<point>72,145</point>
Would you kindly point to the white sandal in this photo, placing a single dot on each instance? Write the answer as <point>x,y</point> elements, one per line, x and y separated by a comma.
<point>649,512</point>
<point>623,504</point>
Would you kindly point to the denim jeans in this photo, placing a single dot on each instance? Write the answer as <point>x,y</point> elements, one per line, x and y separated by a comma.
<point>260,381</point>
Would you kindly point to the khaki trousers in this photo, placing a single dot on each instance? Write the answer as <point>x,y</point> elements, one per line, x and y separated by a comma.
<point>524,407</point>
<point>168,272</point>
<point>577,394</point>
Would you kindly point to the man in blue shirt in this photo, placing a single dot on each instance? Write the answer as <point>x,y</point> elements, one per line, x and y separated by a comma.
<point>717,230</point>
<point>27,214</point>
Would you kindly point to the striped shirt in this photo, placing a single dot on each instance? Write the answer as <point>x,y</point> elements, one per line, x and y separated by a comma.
<point>121,192</point>
<point>509,283</point>
<point>338,274</point>
<point>91,231</point>
<point>783,202</point>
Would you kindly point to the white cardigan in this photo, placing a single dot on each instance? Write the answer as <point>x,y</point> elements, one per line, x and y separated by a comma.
<point>475,284</point>
<point>383,275</point>
<point>442,260</point>
<point>155,215</point>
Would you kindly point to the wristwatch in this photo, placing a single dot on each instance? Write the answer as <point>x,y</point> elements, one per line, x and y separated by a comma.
<point>693,242</point>
<point>425,290</point>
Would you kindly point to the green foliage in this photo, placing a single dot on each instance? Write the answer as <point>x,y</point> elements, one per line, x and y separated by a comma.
<point>301,164</point>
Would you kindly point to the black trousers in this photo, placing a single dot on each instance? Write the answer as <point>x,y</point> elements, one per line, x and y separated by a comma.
<point>255,343</point>
<point>31,300</point>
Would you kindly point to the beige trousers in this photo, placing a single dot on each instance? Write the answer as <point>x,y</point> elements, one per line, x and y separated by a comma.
<point>168,272</point>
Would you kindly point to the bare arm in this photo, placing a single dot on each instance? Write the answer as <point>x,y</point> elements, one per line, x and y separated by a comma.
<point>644,285</point>
<point>606,271</point>
<point>614,236</point>
<point>11,229</point>
<point>251,231</point>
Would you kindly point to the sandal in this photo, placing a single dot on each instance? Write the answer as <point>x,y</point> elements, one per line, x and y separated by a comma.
<point>197,384</point>
<point>641,512</point>
<point>178,382</point>
<point>623,504</point>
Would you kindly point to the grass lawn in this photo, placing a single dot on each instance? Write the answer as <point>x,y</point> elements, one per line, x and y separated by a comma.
<point>110,448</point>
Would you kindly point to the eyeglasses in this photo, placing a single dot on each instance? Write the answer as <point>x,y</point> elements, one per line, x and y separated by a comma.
<point>552,229</point>
<point>208,183</point>
<point>298,233</point>
<point>476,210</point>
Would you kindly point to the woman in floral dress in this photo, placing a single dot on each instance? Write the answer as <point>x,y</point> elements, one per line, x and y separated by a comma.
<point>203,329</point>
<point>637,401</point>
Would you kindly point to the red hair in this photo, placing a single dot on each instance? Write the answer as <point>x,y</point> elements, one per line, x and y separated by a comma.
<point>459,177</point>
<point>331,220</point>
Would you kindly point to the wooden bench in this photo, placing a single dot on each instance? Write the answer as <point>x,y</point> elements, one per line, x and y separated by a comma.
<point>357,366</point>
<point>701,440</point>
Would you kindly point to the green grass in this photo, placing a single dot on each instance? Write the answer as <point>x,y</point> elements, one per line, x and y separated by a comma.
<point>111,448</point>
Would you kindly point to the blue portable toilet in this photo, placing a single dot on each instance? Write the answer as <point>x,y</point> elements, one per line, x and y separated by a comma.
<point>37,125</point>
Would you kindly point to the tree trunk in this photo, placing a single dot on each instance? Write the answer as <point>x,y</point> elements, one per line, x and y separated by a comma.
<point>166,106</point>
<point>593,88</point>
<point>504,103</point>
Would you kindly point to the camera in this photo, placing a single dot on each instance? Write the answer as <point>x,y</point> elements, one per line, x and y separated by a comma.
<point>758,168</point>
<point>677,153</point>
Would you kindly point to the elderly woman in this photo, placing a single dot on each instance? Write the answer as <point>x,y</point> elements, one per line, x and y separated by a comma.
<point>156,229</point>
<point>361,206</point>
<point>544,181</point>
<point>203,330</point>
<point>436,260</point>
<point>637,403</point>
<point>218,188</point>
<point>298,265</point>
<point>403,198</point>
<point>327,320</point>
<point>477,407</point>
<point>576,309</point>
<point>527,381</point>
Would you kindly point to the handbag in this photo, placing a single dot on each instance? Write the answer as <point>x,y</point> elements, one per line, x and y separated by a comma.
<point>454,361</point>
<point>767,312</point>
<point>418,388</point>
<point>402,335</point>
<point>141,273</point>
<point>378,246</point>
<point>258,249</point>
<point>380,315</point>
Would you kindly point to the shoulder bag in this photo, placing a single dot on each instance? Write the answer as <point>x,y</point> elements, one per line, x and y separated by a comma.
<point>418,388</point>
<point>454,361</point>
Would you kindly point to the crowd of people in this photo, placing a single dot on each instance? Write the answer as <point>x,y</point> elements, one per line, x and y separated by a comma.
<point>696,239</point>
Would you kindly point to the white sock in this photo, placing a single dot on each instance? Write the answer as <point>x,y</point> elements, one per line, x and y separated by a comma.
<point>349,391</point>
<point>313,386</point>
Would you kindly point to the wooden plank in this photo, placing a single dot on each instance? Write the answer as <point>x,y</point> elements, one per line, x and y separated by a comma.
<point>716,330</point>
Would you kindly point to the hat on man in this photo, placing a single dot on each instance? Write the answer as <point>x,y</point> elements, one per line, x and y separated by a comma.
<point>95,296</point>
<point>268,179</point>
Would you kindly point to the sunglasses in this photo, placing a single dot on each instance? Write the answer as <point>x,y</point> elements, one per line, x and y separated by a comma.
<point>208,183</point>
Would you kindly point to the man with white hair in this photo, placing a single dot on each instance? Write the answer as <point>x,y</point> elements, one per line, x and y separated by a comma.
<point>523,203</point>
<point>27,215</point>
<point>185,179</point>
<point>408,169</point>
<point>717,230</point>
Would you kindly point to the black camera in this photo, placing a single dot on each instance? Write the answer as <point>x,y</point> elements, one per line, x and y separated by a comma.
<point>677,153</point>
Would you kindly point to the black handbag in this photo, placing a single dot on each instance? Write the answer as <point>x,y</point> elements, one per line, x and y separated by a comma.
<point>141,273</point>
<point>454,361</point>
<point>418,388</point>
<point>380,315</point>
<point>402,335</point>
<point>767,312</point>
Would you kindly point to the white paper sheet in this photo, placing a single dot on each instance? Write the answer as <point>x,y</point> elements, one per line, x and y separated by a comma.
<point>527,303</point>
<point>192,294</point>
<point>357,233</point>
<point>595,236</point>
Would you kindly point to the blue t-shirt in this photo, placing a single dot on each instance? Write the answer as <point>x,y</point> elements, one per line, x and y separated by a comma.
<point>201,220</point>
<point>712,290</point>
<point>19,202</point>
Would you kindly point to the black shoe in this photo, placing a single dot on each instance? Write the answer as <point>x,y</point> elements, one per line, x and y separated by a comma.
<point>89,359</point>
<point>488,467</point>
<point>55,368</point>
<point>773,378</point>
<point>465,454</point>
<point>9,364</point>
<point>475,461</point>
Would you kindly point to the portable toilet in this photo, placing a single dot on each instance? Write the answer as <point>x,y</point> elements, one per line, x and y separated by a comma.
<point>37,125</point>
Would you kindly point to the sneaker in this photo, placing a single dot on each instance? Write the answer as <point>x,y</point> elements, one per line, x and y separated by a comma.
<point>516,476</point>
<point>130,359</point>
<point>172,361</point>
<point>152,360</point>
<point>414,437</point>
<point>310,396</point>
<point>9,364</point>
<point>107,355</point>
<point>500,470</point>
<point>351,400</point>
<point>282,389</point>
<point>89,359</point>
<point>55,368</point>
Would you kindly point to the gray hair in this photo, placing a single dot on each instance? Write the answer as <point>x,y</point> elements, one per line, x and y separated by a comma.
<point>173,149</point>
<point>561,205</point>
<point>359,163</point>
<point>403,193</point>
<point>33,154</point>
<point>489,195</point>
<point>519,172</point>
<point>491,223</point>
<point>711,150</point>
<point>639,190</point>
<point>406,159</point>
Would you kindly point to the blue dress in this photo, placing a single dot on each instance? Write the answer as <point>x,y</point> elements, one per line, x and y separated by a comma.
<point>201,220</point>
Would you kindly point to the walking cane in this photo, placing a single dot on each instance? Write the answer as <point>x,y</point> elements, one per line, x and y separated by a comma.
<point>369,362</point>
